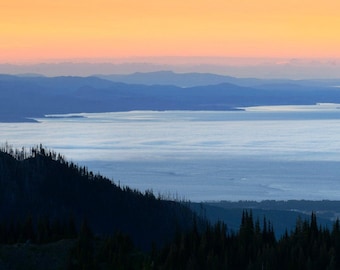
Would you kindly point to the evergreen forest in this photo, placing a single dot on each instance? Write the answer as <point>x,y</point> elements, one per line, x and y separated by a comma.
<point>55,214</point>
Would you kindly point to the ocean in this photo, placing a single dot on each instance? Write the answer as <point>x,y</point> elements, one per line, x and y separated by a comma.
<point>260,153</point>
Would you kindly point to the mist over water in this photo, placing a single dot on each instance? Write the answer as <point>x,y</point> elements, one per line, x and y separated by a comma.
<point>257,154</point>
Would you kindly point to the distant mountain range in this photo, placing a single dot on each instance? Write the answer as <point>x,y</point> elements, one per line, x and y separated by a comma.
<point>237,67</point>
<point>200,79</point>
<point>32,96</point>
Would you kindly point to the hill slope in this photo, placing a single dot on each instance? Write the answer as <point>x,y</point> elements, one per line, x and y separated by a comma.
<point>42,184</point>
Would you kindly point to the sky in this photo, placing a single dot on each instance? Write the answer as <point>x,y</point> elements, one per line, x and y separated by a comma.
<point>34,31</point>
<point>38,30</point>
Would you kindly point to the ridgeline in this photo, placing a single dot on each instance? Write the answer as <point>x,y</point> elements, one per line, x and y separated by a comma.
<point>55,214</point>
<point>42,185</point>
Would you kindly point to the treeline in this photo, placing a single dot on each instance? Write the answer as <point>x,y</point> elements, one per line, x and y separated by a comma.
<point>44,198</point>
<point>24,153</point>
<point>308,247</point>
<point>39,150</point>
<point>41,183</point>
<point>253,246</point>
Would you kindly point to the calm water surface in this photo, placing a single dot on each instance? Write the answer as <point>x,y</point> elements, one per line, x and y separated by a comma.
<point>263,153</point>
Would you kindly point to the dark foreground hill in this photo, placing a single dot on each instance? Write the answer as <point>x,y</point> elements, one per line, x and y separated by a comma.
<point>57,215</point>
<point>42,185</point>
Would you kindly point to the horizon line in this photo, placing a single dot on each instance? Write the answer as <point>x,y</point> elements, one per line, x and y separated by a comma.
<point>166,59</point>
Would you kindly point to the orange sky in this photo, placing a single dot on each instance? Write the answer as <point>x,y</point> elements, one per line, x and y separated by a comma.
<point>43,30</point>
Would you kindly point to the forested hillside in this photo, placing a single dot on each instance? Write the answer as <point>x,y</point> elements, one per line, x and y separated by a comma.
<point>39,185</point>
<point>55,214</point>
<point>254,246</point>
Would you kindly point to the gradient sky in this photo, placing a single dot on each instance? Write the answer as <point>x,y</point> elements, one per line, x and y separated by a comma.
<point>44,30</point>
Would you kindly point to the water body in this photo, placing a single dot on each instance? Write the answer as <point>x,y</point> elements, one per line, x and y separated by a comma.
<point>282,152</point>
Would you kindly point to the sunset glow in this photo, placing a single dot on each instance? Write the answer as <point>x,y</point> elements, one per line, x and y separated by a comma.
<point>42,30</point>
